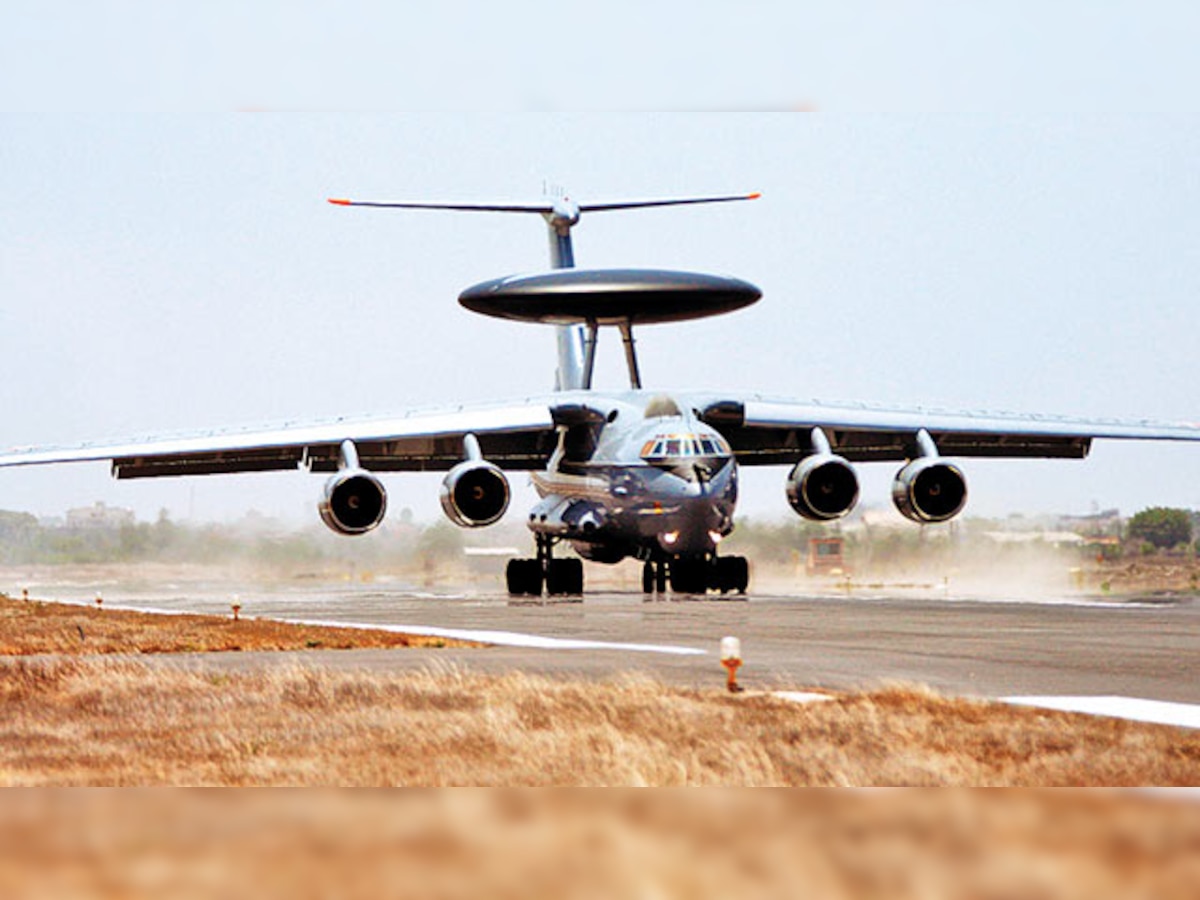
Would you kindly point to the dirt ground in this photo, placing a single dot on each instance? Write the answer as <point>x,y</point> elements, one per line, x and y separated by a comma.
<point>30,627</point>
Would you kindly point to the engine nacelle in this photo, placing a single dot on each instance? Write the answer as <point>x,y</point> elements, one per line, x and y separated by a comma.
<point>822,487</point>
<point>354,503</point>
<point>475,493</point>
<point>929,490</point>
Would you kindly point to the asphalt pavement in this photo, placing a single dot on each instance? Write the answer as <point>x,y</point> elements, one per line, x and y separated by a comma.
<point>978,646</point>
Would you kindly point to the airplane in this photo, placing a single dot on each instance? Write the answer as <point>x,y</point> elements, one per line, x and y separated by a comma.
<point>643,474</point>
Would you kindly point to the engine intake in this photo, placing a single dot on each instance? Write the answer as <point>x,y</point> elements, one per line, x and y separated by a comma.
<point>929,490</point>
<point>355,502</point>
<point>475,493</point>
<point>822,487</point>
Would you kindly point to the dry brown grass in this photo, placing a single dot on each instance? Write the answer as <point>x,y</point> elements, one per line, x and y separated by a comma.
<point>588,844</point>
<point>120,721</point>
<point>33,627</point>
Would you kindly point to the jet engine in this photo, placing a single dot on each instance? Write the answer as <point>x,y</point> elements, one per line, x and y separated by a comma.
<point>354,503</point>
<point>929,490</point>
<point>822,487</point>
<point>475,493</point>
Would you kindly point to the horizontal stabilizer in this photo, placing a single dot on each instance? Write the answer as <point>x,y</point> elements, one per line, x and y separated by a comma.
<point>549,207</point>
<point>542,208</point>
<point>685,201</point>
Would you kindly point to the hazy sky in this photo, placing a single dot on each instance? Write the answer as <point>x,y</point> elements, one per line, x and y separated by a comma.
<point>179,270</point>
<point>849,56</point>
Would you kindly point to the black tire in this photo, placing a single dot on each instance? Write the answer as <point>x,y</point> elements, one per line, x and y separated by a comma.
<point>564,576</point>
<point>648,578</point>
<point>722,575</point>
<point>731,573</point>
<point>575,567</point>
<point>689,576</point>
<point>739,574</point>
<point>524,577</point>
<point>534,577</point>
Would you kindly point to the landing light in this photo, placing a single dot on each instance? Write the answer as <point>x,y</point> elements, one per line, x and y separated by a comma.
<point>716,537</point>
<point>670,537</point>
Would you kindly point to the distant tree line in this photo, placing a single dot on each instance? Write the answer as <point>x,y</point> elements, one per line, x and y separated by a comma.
<point>23,540</point>
<point>1162,528</point>
<point>26,541</point>
<point>1154,530</point>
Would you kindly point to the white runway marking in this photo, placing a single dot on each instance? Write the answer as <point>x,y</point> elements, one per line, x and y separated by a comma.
<point>511,638</point>
<point>1159,712</point>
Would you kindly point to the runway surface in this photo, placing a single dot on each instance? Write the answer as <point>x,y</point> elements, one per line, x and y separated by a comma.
<point>960,644</point>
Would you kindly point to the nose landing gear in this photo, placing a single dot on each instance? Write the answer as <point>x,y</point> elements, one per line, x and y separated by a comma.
<point>654,576</point>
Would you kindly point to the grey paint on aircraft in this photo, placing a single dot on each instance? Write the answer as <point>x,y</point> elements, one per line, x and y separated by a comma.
<point>609,296</point>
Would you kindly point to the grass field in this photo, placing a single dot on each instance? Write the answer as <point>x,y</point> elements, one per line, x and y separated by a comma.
<point>99,709</point>
<point>121,721</point>
<point>83,706</point>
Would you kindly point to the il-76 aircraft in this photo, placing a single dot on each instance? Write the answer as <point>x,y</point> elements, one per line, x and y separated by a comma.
<point>641,474</point>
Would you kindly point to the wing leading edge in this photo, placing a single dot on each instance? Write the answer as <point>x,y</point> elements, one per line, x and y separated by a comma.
<point>514,436</point>
<point>770,431</point>
<point>522,435</point>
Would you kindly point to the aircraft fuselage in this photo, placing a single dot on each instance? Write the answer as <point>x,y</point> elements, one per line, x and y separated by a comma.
<point>649,481</point>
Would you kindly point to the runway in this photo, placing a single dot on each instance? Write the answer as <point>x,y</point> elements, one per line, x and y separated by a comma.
<point>964,645</point>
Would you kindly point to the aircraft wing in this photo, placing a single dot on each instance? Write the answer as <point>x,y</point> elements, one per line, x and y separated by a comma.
<point>518,436</point>
<point>770,431</point>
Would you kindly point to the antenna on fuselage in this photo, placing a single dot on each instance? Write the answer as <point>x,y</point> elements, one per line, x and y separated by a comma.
<point>576,339</point>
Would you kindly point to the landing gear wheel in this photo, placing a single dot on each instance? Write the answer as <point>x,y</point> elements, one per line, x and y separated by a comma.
<point>730,573</point>
<point>524,577</point>
<point>742,582</point>
<point>689,576</point>
<point>564,576</point>
<point>649,577</point>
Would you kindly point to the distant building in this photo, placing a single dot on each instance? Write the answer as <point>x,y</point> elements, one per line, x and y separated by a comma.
<point>1106,523</point>
<point>1053,538</point>
<point>826,556</point>
<point>99,516</point>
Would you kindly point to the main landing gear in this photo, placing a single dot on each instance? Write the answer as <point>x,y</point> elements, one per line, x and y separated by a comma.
<point>696,576</point>
<point>526,577</point>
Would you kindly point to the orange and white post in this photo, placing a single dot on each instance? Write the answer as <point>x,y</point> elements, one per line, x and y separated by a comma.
<point>731,659</point>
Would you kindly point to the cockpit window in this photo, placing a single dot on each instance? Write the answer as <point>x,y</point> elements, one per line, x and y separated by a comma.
<point>676,446</point>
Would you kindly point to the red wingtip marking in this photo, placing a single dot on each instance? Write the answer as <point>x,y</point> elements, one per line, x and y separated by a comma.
<point>339,202</point>
<point>754,196</point>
